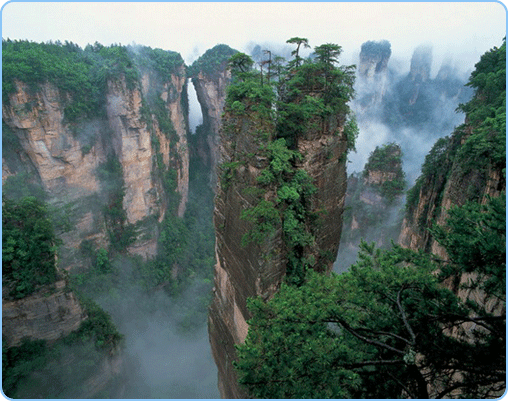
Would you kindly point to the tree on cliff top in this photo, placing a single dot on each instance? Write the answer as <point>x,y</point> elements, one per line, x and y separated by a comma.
<point>212,61</point>
<point>299,42</point>
<point>387,328</point>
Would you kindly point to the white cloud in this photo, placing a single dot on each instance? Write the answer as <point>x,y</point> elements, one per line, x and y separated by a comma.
<point>464,28</point>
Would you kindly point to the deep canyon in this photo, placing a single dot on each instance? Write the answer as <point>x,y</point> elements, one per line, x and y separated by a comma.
<point>168,219</point>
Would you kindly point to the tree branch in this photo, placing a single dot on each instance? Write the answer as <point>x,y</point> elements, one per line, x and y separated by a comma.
<point>368,340</point>
<point>404,318</point>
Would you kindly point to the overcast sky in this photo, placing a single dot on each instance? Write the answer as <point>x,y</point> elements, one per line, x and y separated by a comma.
<point>461,30</point>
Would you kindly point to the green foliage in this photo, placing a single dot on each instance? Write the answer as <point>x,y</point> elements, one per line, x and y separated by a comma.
<point>228,173</point>
<point>19,362</point>
<point>281,163</point>
<point>102,262</point>
<point>162,62</point>
<point>82,74</point>
<point>113,63</point>
<point>163,117</point>
<point>313,92</point>
<point>98,328</point>
<point>212,61</point>
<point>387,159</point>
<point>478,145</point>
<point>265,219</point>
<point>64,65</point>
<point>240,64</point>
<point>298,42</point>
<point>486,112</point>
<point>358,334</point>
<point>22,185</point>
<point>351,131</point>
<point>328,55</point>
<point>28,246</point>
<point>36,368</point>
<point>475,241</point>
<point>249,95</point>
<point>309,100</point>
<point>436,168</point>
<point>367,326</point>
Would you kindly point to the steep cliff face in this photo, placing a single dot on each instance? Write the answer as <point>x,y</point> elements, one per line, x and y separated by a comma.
<point>260,185</point>
<point>446,181</point>
<point>465,167</point>
<point>101,136</point>
<point>211,93</point>
<point>66,158</point>
<point>373,75</point>
<point>210,77</point>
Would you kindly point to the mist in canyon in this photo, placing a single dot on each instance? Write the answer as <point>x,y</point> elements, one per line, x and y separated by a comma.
<point>166,347</point>
<point>411,102</point>
<point>167,350</point>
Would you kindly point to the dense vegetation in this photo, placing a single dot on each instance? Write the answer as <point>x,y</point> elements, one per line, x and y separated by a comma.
<point>373,200</point>
<point>306,99</point>
<point>80,73</point>
<point>387,160</point>
<point>486,113</point>
<point>28,246</point>
<point>400,323</point>
<point>211,61</point>
<point>40,369</point>
<point>382,329</point>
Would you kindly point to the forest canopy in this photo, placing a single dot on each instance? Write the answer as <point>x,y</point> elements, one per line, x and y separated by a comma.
<point>400,323</point>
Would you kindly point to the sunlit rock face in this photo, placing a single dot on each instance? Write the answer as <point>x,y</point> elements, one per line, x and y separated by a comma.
<point>252,270</point>
<point>66,159</point>
<point>48,144</point>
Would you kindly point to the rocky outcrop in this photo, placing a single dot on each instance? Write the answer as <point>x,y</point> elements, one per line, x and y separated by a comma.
<point>210,76</point>
<point>373,77</point>
<point>421,62</point>
<point>132,143</point>
<point>36,118</point>
<point>258,268</point>
<point>48,314</point>
<point>373,203</point>
<point>450,185</point>
<point>211,93</point>
<point>66,159</point>
<point>374,57</point>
